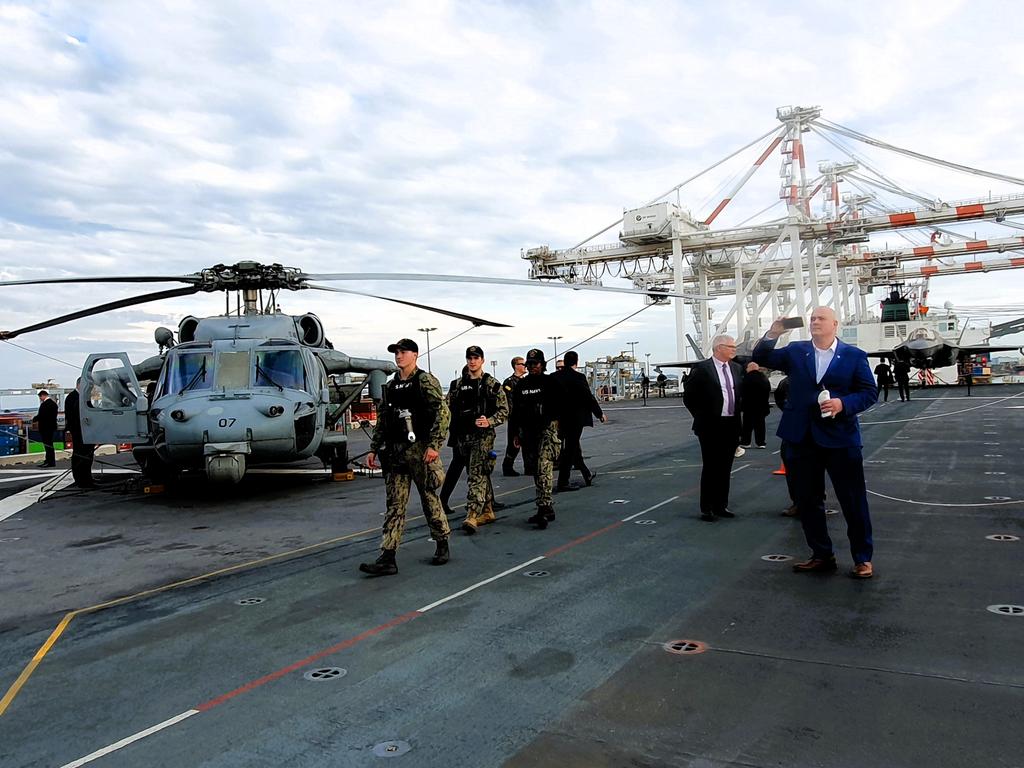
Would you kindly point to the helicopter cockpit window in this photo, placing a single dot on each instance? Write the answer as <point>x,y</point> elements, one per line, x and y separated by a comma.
<point>111,386</point>
<point>233,370</point>
<point>280,368</point>
<point>189,371</point>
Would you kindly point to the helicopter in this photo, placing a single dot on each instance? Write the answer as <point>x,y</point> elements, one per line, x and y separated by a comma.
<point>246,387</point>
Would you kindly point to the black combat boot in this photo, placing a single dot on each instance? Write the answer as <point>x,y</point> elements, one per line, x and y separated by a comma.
<point>549,513</point>
<point>540,519</point>
<point>440,553</point>
<point>385,565</point>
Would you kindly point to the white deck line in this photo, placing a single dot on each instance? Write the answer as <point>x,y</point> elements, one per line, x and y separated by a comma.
<point>130,739</point>
<point>649,509</point>
<point>479,584</point>
<point>22,500</point>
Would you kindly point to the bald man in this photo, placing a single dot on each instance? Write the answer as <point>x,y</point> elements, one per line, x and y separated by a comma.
<point>821,434</point>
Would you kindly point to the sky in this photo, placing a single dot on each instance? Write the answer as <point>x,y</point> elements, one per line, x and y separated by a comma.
<point>162,138</point>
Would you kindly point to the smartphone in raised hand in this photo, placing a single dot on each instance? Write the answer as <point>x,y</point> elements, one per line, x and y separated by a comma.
<point>792,322</point>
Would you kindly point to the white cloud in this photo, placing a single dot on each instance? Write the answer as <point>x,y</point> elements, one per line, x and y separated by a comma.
<point>446,137</point>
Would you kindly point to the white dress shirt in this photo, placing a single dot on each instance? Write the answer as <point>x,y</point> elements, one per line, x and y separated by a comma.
<point>725,381</point>
<point>823,357</point>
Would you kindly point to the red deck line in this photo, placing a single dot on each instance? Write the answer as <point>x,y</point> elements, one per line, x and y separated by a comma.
<point>308,660</point>
<point>582,539</point>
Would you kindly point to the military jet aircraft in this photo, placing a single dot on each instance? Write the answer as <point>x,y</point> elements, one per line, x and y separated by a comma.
<point>926,349</point>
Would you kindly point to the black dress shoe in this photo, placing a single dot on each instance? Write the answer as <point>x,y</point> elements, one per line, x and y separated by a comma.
<point>707,517</point>
<point>509,472</point>
<point>589,479</point>
<point>724,513</point>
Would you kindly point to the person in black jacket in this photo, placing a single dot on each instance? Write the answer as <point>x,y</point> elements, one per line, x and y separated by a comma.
<point>81,453</point>
<point>537,405</point>
<point>580,407</point>
<point>884,374</point>
<point>46,423</point>
<point>901,372</point>
<point>756,392</point>
<point>712,394</point>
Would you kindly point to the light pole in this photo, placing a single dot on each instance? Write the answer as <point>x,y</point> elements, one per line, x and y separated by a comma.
<point>427,331</point>
<point>494,368</point>
<point>647,368</point>
<point>555,339</point>
<point>632,361</point>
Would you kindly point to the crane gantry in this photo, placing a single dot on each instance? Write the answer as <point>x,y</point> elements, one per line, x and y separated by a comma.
<point>803,258</point>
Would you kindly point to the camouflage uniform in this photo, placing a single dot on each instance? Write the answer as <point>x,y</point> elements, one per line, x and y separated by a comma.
<point>403,461</point>
<point>539,457</point>
<point>476,444</point>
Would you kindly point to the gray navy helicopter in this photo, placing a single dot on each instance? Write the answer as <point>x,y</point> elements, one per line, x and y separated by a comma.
<point>247,387</point>
<point>238,389</point>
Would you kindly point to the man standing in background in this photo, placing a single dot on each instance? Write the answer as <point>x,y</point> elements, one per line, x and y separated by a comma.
<point>45,422</point>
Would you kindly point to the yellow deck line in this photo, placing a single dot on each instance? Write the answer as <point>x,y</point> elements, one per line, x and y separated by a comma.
<point>26,673</point>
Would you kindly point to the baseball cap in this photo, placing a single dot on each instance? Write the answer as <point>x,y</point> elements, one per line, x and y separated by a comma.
<point>407,344</point>
<point>474,351</point>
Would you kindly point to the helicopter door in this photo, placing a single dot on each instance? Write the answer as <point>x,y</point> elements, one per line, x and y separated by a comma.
<point>111,403</point>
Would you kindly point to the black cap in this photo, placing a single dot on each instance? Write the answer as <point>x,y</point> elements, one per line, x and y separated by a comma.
<point>407,344</point>
<point>535,356</point>
<point>474,351</point>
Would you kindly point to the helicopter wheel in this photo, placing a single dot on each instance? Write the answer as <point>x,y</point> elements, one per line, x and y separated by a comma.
<point>154,469</point>
<point>339,460</point>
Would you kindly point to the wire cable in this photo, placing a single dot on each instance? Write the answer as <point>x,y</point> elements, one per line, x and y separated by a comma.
<point>617,322</point>
<point>34,352</point>
<point>773,132</point>
<point>858,136</point>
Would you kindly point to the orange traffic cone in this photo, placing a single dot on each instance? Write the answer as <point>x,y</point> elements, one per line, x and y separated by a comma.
<point>781,470</point>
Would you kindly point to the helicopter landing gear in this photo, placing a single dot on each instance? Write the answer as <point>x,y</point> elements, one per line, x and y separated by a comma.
<point>338,460</point>
<point>155,471</point>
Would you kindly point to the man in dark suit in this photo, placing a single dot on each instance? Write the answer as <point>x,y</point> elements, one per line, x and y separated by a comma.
<point>46,422</point>
<point>821,434</point>
<point>901,372</point>
<point>580,407</point>
<point>712,395</point>
<point>884,374</point>
<point>756,391</point>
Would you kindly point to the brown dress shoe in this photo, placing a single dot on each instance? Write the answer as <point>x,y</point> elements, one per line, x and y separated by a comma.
<point>862,571</point>
<point>816,564</point>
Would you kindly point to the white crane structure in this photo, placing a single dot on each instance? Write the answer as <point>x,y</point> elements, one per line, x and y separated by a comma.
<point>815,254</point>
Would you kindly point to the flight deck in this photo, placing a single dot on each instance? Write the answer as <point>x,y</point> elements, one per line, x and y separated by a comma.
<point>211,627</point>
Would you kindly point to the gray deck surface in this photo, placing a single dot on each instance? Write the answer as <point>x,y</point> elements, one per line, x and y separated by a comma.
<point>567,669</point>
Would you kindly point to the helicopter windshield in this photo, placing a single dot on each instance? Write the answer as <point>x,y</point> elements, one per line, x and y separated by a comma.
<point>280,368</point>
<point>190,370</point>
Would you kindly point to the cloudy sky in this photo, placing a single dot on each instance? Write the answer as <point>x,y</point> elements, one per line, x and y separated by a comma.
<point>161,138</point>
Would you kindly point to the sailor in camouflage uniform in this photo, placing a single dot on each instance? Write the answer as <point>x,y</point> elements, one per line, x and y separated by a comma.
<point>536,404</point>
<point>411,427</point>
<point>477,403</point>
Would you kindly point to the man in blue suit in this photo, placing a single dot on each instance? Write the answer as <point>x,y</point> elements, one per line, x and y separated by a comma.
<point>821,434</point>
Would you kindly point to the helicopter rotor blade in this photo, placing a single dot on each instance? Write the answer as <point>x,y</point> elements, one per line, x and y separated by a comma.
<point>119,304</point>
<point>116,279</point>
<point>413,277</point>
<point>468,318</point>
